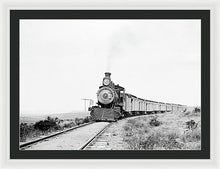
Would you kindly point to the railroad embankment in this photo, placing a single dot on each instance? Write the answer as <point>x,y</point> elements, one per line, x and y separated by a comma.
<point>168,131</point>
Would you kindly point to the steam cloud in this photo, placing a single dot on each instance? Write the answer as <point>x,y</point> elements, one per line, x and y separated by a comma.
<point>119,42</point>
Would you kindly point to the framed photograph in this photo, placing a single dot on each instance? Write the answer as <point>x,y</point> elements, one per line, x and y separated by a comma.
<point>110,84</point>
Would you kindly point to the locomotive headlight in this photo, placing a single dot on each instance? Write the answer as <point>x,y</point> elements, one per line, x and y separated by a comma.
<point>106,82</point>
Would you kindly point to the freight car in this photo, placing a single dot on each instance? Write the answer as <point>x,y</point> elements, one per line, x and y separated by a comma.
<point>114,103</point>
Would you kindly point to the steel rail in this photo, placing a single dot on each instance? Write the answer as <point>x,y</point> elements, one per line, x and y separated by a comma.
<point>94,137</point>
<point>53,135</point>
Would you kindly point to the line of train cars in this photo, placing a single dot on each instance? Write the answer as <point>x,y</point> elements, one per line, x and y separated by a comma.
<point>114,103</point>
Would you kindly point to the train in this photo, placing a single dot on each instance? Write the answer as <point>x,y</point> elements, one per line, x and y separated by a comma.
<point>114,103</point>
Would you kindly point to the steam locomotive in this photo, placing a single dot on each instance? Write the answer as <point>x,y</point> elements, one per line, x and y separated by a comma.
<point>114,103</point>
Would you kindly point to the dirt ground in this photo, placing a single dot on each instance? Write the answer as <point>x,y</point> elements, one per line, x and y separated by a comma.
<point>113,137</point>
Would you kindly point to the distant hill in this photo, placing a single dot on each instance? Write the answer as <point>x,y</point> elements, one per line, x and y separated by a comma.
<point>63,116</point>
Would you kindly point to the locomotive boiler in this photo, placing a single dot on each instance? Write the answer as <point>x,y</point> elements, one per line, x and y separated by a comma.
<point>110,101</point>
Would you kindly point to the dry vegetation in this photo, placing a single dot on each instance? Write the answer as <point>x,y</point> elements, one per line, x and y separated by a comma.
<point>168,131</point>
<point>47,126</point>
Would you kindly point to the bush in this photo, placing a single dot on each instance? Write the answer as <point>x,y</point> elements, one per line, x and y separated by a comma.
<point>191,124</point>
<point>196,110</point>
<point>69,125</point>
<point>28,132</point>
<point>155,122</point>
<point>78,121</point>
<point>49,123</point>
<point>192,135</point>
<point>87,119</point>
<point>44,125</point>
<point>25,131</point>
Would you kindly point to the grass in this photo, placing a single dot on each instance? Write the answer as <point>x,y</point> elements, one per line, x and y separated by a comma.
<point>168,131</point>
<point>31,131</point>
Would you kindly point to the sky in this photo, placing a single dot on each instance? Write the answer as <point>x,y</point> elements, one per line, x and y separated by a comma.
<point>64,61</point>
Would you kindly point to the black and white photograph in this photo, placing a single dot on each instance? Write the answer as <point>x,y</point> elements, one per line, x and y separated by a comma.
<point>110,84</point>
<point>117,84</point>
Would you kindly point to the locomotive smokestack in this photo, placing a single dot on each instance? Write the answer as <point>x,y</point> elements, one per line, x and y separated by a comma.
<point>108,74</point>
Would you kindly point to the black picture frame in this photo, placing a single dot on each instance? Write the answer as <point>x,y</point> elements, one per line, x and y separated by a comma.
<point>16,15</point>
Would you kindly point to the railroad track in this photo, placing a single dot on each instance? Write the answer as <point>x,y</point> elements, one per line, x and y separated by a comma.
<point>76,138</point>
<point>94,138</point>
<point>52,135</point>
